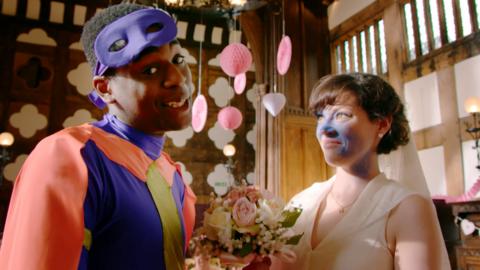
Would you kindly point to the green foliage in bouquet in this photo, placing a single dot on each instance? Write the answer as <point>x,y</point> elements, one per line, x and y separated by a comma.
<point>290,217</point>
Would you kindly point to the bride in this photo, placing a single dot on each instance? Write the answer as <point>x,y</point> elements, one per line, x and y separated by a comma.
<point>359,219</point>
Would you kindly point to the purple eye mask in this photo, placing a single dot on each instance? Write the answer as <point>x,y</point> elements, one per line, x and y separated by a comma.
<point>123,40</point>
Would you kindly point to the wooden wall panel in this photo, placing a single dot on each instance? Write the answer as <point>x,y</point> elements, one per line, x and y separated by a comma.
<point>27,58</point>
<point>317,49</point>
<point>287,144</point>
<point>306,24</point>
<point>395,43</point>
<point>294,80</point>
<point>304,162</point>
<point>294,174</point>
<point>452,143</point>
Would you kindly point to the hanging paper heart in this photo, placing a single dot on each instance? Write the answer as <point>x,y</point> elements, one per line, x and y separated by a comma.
<point>468,227</point>
<point>239,83</point>
<point>274,102</point>
<point>235,59</point>
<point>229,117</point>
<point>199,113</point>
<point>284,55</point>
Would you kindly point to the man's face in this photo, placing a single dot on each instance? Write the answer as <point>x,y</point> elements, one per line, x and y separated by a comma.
<point>154,93</point>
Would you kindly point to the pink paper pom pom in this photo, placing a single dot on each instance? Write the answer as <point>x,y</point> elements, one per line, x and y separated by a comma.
<point>235,59</point>
<point>230,117</point>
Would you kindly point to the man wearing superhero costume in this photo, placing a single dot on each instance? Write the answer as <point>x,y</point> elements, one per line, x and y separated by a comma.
<point>104,195</point>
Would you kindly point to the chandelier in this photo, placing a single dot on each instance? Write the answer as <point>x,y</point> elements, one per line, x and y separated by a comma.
<point>206,3</point>
<point>212,7</point>
<point>229,7</point>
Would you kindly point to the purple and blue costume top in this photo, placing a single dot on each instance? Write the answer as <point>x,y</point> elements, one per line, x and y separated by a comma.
<point>95,208</point>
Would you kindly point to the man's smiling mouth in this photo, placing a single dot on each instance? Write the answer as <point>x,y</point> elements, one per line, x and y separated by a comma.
<point>178,104</point>
<point>173,104</point>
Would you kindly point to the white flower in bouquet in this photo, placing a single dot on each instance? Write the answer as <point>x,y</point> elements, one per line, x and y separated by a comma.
<point>270,211</point>
<point>218,225</point>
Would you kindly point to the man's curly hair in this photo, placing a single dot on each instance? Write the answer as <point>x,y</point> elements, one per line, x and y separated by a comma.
<point>96,24</point>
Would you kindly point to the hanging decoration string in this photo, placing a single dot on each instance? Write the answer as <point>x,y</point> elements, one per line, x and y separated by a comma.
<point>275,100</point>
<point>200,59</point>
<point>200,105</point>
<point>200,69</point>
<point>233,29</point>
<point>239,38</point>
<point>274,40</point>
<point>283,34</point>
<point>283,17</point>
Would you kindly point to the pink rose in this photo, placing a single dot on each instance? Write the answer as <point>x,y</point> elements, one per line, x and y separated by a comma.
<point>235,194</point>
<point>244,212</point>
<point>267,195</point>
<point>253,194</point>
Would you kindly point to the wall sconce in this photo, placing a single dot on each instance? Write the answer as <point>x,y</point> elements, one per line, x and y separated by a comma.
<point>6,140</point>
<point>229,151</point>
<point>472,106</point>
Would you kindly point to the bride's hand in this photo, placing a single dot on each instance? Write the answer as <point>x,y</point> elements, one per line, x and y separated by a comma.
<point>259,264</point>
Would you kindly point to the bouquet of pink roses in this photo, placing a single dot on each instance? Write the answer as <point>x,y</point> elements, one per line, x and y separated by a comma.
<point>245,224</point>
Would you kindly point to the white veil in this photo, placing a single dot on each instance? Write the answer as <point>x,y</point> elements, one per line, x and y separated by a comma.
<point>403,166</point>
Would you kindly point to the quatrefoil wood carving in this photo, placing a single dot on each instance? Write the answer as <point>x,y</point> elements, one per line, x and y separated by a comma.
<point>33,72</point>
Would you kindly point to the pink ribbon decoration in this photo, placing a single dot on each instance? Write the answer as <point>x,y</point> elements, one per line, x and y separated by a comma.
<point>199,113</point>
<point>239,83</point>
<point>467,196</point>
<point>284,55</point>
<point>230,259</point>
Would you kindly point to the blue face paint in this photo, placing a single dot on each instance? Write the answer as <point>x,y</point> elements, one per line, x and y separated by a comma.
<point>327,129</point>
<point>346,134</point>
<point>332,129</point>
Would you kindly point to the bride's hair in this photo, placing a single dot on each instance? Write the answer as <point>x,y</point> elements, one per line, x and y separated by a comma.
<point>377,98</point>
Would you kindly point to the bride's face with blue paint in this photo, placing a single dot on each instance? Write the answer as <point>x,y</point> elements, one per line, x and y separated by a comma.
<point>345,133</point>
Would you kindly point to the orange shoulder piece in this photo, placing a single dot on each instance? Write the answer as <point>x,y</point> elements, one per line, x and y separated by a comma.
<point>45,223</point>
<point>122,152</point>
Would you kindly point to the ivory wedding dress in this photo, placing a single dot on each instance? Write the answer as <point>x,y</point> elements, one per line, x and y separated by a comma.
<point>358,240</point>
